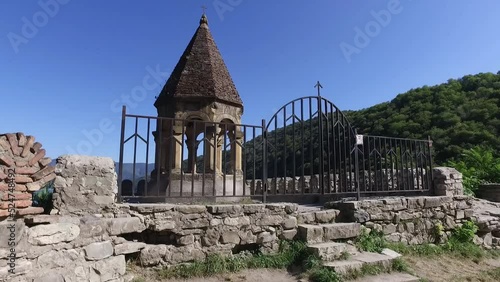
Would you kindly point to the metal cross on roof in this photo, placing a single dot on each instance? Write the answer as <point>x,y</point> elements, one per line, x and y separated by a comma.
<point>204,8</point>
<point>319,86</point>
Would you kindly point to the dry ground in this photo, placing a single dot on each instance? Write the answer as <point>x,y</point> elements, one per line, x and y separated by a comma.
<point>251,275</point>
<point>436,269</point>
<point>446,268</point>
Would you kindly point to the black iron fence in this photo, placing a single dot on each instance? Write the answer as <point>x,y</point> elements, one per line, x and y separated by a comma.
<point>307,148</point>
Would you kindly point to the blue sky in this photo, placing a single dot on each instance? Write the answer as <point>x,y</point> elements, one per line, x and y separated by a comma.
<point>66,64</point>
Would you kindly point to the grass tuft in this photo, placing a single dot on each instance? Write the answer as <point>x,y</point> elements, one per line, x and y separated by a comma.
<point>372,241</point>
<point>400,265</point>
<point>323,274</point>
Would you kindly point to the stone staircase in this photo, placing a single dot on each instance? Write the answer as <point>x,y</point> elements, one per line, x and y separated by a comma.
<point>343,257</point>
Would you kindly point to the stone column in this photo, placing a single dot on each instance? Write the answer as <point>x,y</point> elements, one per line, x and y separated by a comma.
<point>177,148</point>
<point>211,146</point>
<point>238,159</point>
<point>236,139</point>
<point>220,143</point>
<point>192,148</point>
<point>162,145</point>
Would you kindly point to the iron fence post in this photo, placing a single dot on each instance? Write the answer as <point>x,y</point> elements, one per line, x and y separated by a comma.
<point>120,164</point>
<point>264,161</point>
<point>320,130</point>
<point>429,144</point>
<point>356,164</point>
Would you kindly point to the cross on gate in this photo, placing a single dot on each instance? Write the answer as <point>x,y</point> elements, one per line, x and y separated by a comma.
<point>319,86</point>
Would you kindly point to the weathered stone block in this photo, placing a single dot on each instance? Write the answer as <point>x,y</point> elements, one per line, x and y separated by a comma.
<point>459,214</point>
<point>389,228</point>
<point>161,225</point>
<point>306,217</point>
<point>152,255</point>
<point>432,202</point>
<point>186,240</point>
<point>197,223</point>
<point>129,248</point>
<point>184,254</point>
<point>117,226</point>
<point>56,259</point>
<point>247,237</point>
<point>110,268</point>
<point>290,222</point>
<point>410,227</point>
<point>253,208</point>
<point>270,220</point>
<point>310,233</point>
<point>336,231</point>
<point>11,230</point>
<point>384,216</point>
<point>211,237</point>
<point>468,213</point>
<point>224,209</point>
<point>326,216</point>
<point>266,237</point>
<point>51,277</point>
<point>237,221</point>
<point>230,237</point>
<point>53,233</point>
<point>98,251</point>
<point>23,266</point>
<point>189,209</point>
<point>361,216</point>
<point>288,234</point>
<point>331,251</point>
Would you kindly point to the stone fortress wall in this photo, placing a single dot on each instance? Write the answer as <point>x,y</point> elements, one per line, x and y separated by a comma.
<point>89,237</point>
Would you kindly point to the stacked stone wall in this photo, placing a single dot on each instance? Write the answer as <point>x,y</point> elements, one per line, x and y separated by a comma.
<point>89,237</point>
<point>84,185</point>
<point>409,220</point>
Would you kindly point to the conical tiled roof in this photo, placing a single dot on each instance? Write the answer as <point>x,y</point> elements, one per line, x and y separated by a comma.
<point>201,72</point>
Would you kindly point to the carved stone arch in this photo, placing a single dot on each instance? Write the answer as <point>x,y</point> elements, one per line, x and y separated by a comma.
<point>191,115</point>
<point>229,117</point>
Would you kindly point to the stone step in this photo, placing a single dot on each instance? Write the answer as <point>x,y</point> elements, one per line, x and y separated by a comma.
<point>389,277</point>
<point>357,261</point>
<point>328,232</point>
<point>331,251</point>
<point>312,216</point>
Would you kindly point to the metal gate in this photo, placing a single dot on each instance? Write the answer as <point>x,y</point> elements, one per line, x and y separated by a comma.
<point>311,148</point>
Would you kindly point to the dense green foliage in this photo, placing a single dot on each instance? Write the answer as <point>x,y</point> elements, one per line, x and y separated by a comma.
<point>478,165</point>
<point>460,114</point>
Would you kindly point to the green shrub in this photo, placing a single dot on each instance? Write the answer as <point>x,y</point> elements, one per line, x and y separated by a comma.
<point>323,274</point>
<point>400,265</point>
<point>373,241</point>
<point>464,233</point>
<point>477,165</point>
<point>43,197</point>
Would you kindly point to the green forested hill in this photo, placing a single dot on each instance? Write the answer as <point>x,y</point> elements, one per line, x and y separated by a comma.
<point>458,115</point>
